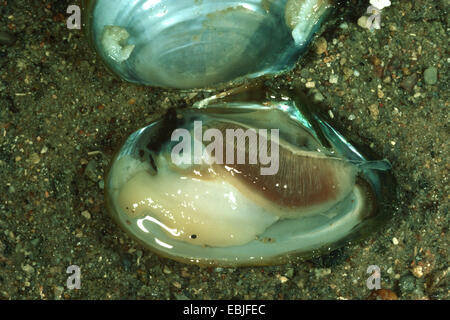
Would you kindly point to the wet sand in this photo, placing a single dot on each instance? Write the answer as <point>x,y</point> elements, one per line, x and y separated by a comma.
<point>62,116</point>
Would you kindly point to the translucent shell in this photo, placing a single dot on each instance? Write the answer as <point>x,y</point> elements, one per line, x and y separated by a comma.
<point>321,193</point>
<point>201,43</point>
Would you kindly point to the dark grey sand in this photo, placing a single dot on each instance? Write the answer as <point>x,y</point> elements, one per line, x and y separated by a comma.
<point>62,115</point>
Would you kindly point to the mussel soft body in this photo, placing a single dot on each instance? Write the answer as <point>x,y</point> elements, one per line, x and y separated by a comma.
<point>299,188</point>
<point>191,43</point>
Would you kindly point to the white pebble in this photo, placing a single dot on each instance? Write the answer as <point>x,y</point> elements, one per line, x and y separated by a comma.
<point>334,78</point>
<point>380,4</point>
<point>86,214</point>
<point>330,113</point>
<point>310,84</point>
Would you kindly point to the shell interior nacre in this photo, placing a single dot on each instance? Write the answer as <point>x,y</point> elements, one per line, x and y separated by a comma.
<point>191,43</point>
<point>217,209</point>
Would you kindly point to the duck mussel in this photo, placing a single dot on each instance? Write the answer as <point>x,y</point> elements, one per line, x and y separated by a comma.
<point>248,177</point>
<point>201,43</point>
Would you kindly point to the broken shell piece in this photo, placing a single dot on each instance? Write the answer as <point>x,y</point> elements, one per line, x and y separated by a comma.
<point>114,42</point>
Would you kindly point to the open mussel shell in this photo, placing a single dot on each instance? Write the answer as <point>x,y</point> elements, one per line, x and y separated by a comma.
<point>322,193</point>
<point>201,43</point>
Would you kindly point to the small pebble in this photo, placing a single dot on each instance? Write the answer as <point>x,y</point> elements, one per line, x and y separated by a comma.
<point>430,76</point>
<point>409,82</point>
<point>374,111</point>
<point>283,279</point>
<point>380,93</point>
<point>362,22</point>
<point>289,273</point>
<point>86,214</point>
<point>27,268</point>
<point>417,271</point>
<point>34,158</point>
<point>334,78</point>
<point>331,114</point>
<point>321,45</point>
<point>320,273</point>
<point>395,241</point>
<point>392,27</point>
<point>407,283</point>
<point>347,73</point>
<point>166,270</point>
<point>318,97</point>
<point>310,84</point>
